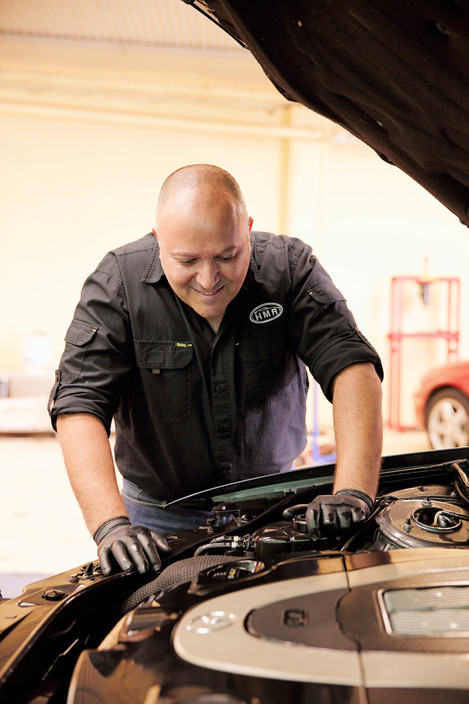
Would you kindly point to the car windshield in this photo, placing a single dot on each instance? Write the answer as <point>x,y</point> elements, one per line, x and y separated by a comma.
<point>277,486</point>
<point>267,486</point>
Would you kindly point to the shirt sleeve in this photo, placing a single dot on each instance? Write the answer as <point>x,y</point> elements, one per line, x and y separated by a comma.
<point>322,328</point>
<point>98,350</point>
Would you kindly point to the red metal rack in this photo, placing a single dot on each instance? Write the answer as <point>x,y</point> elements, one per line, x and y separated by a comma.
<point>450,332</point>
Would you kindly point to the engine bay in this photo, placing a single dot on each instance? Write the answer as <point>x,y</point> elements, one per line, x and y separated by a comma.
<point>249,609</point>
<point>426,515</point>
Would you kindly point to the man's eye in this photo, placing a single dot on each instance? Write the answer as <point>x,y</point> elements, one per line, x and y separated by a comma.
<point>186,262</point>
<point>228,259</point>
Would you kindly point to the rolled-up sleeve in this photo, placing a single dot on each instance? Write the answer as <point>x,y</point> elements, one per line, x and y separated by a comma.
<point>98,352</point>
<point>322,328</point>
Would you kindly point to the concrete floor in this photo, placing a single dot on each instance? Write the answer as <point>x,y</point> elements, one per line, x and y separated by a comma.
<point>41,528</point>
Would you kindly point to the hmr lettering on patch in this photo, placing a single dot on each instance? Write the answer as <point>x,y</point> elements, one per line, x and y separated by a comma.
<point>265,313</point>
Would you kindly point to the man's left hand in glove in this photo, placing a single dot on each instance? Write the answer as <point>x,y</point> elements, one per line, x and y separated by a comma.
<point>331,515</point>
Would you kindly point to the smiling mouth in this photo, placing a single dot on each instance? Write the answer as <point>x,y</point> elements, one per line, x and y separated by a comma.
<point>209,294</point>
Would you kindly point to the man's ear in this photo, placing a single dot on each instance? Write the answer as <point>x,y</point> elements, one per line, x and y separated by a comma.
<point>250,224</point>
<point>154,232</point>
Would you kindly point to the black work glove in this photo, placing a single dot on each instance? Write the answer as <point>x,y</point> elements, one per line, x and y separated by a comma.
<point>130,546</point>
<point>334,514</point>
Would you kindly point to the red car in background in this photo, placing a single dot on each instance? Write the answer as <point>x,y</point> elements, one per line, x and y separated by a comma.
<point>442,405</point>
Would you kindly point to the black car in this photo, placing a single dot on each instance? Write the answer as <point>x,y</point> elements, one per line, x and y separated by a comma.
<point>249,609</point>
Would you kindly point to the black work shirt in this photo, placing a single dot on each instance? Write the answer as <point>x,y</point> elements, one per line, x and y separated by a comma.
<point>194,408</point>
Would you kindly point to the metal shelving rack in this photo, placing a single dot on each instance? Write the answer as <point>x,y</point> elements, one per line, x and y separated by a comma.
<point>450,332</point>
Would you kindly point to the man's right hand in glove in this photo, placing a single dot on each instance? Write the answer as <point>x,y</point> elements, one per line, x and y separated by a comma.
<point>129,546</point>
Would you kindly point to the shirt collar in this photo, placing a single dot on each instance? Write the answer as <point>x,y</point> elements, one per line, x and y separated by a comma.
<point>154,270</point>
<point>254,270</point>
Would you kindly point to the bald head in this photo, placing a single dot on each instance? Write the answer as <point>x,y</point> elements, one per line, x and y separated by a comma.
<point>201,183</point>
<point>203,233</point>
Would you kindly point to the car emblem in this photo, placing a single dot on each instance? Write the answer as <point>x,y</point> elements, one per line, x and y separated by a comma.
<point>265,312</point>
<point>209,623</point>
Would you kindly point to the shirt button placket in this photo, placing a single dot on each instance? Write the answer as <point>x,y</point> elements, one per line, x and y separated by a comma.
<point>222,414</point>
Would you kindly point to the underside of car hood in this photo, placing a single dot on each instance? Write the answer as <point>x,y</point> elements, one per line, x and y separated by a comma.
<point>394,74</point>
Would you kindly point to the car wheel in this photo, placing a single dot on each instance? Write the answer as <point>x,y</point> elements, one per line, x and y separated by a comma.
<point>447,419</point>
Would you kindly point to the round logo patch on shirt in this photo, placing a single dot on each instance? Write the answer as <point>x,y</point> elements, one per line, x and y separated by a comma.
<point>265,312</point>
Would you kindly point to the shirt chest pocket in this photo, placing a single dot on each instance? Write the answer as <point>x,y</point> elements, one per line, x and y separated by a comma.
<point>262,361</point>
<point>166,372</point>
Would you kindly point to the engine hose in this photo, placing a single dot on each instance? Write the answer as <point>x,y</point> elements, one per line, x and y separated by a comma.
<point>461,483</point>
<point>172,576</point>
<point>206,549</point>
<point>462,490</point>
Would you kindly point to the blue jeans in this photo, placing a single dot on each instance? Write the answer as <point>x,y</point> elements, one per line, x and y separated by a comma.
<point>144,510</point>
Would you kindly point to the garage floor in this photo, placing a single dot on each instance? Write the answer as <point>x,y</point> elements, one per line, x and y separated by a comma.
<point>42,530</point>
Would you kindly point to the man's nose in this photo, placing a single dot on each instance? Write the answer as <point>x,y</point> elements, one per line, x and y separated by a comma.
<point>208,276</point>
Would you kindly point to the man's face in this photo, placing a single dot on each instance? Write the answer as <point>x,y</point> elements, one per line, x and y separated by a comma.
<point>204,250</point>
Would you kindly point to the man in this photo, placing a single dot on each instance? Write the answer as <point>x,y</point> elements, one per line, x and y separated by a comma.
<point>195,339</point>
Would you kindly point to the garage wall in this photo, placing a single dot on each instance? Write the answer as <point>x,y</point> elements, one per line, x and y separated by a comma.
<point>73,189</point>
<point>73,186</point>
<point>368,222</point>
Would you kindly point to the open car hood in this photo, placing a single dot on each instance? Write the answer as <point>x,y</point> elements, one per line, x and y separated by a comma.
<point>394,74</point>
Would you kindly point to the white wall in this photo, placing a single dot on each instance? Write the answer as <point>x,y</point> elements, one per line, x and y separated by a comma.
<point>72,187</point>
